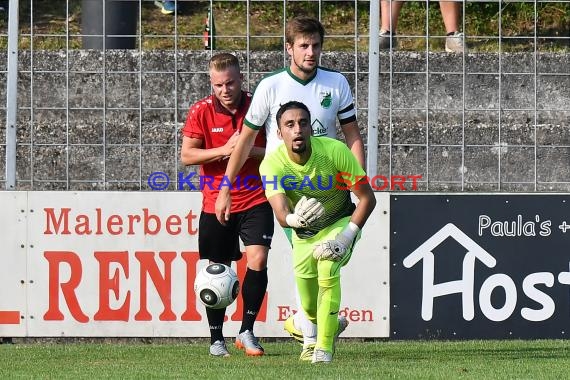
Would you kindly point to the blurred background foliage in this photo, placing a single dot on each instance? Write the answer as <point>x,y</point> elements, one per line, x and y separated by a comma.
<point>488,26</point>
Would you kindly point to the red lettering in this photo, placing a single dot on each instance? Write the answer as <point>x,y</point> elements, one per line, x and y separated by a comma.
<point>98,218</point>
<point>397,180</point>
<point>55,258</point>
<point>108,284</point>
<point>341,180</point>
<point>132,219</point>
<point>374,182</point>
<point>283,312</point>
<point>354,315</point>
<point>163,284</point>
<point>359,181</point>
<point>190,218</point>
<point>191,313</point>
<point>147,218</point>
<point>414,179</point>
<point>51,219</point>
<point>82,227</point>
<point>112,221</point>
<point>173,221</point>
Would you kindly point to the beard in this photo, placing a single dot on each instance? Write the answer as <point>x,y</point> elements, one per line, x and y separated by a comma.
<point>299,149</point>
<point>306,70</point>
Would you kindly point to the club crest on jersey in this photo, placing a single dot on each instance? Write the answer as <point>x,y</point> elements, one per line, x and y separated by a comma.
<point>217,129</point>
<point>318,128</point>
<point>326,99</point>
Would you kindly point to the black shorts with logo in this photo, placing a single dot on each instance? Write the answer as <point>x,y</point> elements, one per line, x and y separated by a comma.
<point>220,243</point>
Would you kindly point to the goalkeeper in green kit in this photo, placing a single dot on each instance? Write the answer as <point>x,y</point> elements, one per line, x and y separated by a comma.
<point>308,182</point>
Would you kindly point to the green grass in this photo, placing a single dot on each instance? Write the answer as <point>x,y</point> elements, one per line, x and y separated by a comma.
<point>53,25</point>
<point>535,359</point>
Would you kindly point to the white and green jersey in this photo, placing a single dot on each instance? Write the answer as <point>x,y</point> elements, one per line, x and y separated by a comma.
<point>327,95</point>
<point>327,176</point>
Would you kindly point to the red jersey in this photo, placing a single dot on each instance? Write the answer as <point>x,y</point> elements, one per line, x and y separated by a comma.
<point>212,123</point>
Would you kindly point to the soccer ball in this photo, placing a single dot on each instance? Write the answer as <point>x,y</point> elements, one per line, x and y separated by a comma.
<point>216,286</point>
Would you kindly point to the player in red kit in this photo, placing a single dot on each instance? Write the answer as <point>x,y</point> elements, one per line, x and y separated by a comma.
<point>210,134</point>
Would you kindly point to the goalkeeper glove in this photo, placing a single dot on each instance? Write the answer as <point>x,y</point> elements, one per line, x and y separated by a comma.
<point>336,249</point>
<point>307,211</point>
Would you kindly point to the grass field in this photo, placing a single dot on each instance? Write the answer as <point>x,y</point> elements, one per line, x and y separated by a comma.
<point>515,359</point>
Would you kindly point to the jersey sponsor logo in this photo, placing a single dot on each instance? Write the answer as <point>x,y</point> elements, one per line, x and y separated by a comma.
<point>217,129</point>
<point>326,99</point>
<point>318,128</point>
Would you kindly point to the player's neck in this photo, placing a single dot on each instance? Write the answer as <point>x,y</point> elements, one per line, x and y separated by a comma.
<point>302,75</point>
<point>232,107</point>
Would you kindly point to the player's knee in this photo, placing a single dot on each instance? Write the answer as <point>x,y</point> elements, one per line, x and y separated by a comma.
<point>256,257</point>
<point>329,282</point>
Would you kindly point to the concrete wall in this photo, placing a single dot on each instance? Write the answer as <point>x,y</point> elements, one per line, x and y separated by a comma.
<point>97,121</point>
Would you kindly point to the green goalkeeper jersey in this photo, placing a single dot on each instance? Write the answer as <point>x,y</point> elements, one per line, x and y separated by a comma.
<point>327,176</point>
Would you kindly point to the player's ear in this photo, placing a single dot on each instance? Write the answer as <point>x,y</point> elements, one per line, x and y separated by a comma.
<point>289,48</point>
<point>279,133</point>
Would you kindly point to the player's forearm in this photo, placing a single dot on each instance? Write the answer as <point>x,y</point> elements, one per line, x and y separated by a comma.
<point>239,156</point>
<point>357,149</point>
<point>198,156</point>
<point>364,208</point>
<point>280,208</point>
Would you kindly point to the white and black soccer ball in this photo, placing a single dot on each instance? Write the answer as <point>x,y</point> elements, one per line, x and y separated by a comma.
<point>216,286</point>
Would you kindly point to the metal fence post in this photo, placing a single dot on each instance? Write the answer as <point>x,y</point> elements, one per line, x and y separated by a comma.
<point>12,95</point>
<point>373,86</point>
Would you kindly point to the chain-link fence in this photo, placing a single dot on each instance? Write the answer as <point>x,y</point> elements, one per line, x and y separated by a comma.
<point>471,96</point>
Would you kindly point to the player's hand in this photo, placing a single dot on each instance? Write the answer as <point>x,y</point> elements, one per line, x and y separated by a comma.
<point>335,250</point>
<point>307,211</point>
<point>223,205</point>
<point>229,146</point>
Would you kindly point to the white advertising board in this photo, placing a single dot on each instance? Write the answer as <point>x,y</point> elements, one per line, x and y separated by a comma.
<point>105,264</point>
<point>13,278</point>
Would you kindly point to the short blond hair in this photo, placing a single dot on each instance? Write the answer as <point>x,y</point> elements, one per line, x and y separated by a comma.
<point>223,61</point>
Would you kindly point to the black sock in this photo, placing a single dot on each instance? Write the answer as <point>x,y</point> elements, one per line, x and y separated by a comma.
<point>451,33</point>
<point>216,323</point>
<point>252,292</point>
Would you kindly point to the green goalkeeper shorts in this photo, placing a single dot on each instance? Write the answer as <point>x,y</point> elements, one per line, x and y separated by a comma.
<point>304,264</point>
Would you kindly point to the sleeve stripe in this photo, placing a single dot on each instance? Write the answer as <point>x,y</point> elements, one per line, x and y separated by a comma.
<point>251,125</point>
<point>347,109</point>
<point>347,120</point>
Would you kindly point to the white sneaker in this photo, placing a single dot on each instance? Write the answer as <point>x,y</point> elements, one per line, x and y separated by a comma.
<point>248,342</point>
<point>321,356</point>
<point>218,348</point>
<point>455,43</point>
<point>308,352</point>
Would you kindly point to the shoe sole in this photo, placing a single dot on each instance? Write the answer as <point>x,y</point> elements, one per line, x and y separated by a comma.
<point>297,337</point>
<point>220,356</point>
<point>295,334</point>
<point>248,352</point>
